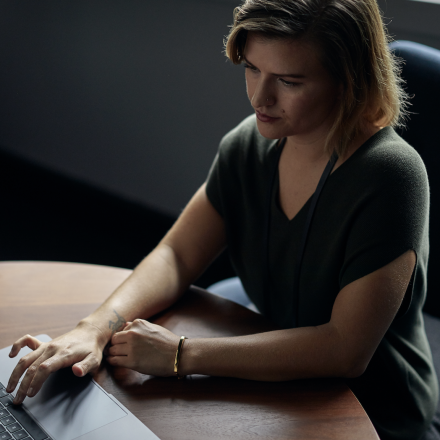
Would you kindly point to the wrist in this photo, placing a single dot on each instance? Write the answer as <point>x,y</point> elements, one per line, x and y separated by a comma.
<point>189,358</point>
<point>102,335</point>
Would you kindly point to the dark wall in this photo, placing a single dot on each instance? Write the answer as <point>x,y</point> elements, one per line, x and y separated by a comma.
<point>129,98</point>
<point>132,97</point>
<point>47,216</point>
<point>413,20</point>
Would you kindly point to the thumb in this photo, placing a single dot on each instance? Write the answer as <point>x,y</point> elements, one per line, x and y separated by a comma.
<point>88,365</point>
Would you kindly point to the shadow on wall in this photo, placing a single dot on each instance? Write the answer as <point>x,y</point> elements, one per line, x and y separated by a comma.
<point>132,97</point>
<point>46,216</point>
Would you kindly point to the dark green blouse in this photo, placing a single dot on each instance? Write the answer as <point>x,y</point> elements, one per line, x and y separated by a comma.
<point>372,209</point>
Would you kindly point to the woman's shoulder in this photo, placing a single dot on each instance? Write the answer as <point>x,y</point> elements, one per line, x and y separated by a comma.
<point>245,141</point>
<point>386,157</point>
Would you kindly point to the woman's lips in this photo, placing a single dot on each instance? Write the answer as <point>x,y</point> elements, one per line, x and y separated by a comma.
<point>264,118</point>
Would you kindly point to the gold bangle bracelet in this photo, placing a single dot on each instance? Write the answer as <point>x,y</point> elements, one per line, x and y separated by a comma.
<point>178,354</point>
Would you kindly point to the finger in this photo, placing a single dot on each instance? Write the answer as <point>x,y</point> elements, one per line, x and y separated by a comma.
<point>119,338</point>
<point>119,361</point>
<point>118,350</point>
<point>22,365</point>
<point>140,322</point>
<point>125,327</point>
<point>87,365</point>
<point>37,374</point>
<point>46,357</point>
<point>24,341</point>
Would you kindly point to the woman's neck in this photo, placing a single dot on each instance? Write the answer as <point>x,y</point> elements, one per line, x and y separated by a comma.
<point>309,152</point>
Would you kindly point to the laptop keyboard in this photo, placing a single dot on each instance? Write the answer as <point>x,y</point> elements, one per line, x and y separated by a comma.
<point>15,422</point>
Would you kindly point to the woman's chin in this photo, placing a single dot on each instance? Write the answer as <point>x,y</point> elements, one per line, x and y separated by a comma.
<point>269,132</point>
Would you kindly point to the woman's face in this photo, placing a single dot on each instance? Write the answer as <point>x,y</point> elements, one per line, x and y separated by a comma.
<point>287,82</point>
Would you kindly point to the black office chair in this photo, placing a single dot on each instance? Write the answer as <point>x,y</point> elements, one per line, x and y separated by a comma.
<point>421,72</point>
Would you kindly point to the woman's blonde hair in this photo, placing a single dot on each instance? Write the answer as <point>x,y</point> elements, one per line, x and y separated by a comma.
<point>353,45</point>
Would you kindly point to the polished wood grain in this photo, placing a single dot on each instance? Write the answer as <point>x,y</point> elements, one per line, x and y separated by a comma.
<point>40,297</point>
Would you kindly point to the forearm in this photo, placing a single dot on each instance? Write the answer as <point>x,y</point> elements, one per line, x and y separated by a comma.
<point>273,356</point>
<point>193,242</point>
<point>156,283</point>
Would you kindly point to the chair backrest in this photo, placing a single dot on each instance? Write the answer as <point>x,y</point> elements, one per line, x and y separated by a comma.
<point>421,72</point>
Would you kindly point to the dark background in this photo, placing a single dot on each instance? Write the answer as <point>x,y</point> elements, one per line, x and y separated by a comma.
<point>47,216</point>
<point>110,116</point>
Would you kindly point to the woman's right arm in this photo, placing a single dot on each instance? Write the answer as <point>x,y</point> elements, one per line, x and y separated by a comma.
<point>193,242</point>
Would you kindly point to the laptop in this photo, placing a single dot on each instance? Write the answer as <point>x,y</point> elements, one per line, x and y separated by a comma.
<point>66,408</point>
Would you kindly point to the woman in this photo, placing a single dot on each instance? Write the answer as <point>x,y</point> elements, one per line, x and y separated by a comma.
<point>326,95</point>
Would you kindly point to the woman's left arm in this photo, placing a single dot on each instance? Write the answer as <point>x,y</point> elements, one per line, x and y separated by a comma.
<point>361,315</point>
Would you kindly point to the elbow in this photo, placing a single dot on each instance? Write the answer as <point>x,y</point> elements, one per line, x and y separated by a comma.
<point>354,372</point>
<point>350,360</point>
<point>355,369</point>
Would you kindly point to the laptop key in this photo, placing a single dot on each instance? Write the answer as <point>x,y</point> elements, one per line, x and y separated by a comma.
<point>2,429</point>
<point>20,435</point>
<point>6,401</point>
<point>5,436</point>
<point>3,392</point>
<point>4,412</point>
<point>28,423</point>
<point>7,420</point>
<point>13,427</point>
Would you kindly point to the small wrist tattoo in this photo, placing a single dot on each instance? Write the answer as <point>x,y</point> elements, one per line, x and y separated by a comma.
<point>115,326</point>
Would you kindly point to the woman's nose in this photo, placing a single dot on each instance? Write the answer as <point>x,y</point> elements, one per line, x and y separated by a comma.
<point>263,96</point>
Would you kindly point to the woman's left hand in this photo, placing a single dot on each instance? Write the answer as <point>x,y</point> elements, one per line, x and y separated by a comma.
<point>144,347</point>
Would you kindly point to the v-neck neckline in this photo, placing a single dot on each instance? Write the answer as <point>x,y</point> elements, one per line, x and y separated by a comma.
<point>275,201</point>
<point>275,195</point>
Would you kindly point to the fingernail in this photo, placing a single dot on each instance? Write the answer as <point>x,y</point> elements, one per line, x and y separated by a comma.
<point>30,392</point>
<point>18,399</point>
<point>10,353</point>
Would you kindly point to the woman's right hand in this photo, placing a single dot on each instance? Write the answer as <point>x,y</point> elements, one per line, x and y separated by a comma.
<point>82,348</point>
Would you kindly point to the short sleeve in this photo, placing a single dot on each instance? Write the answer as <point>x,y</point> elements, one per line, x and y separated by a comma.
<point>391,217</point>
<point>224,176</point>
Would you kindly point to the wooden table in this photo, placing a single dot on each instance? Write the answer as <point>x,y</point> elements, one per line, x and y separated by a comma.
<point>40,297</point>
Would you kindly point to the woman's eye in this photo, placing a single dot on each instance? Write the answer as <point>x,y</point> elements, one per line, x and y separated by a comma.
<point>288,84</point>
<point>247,66</point>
